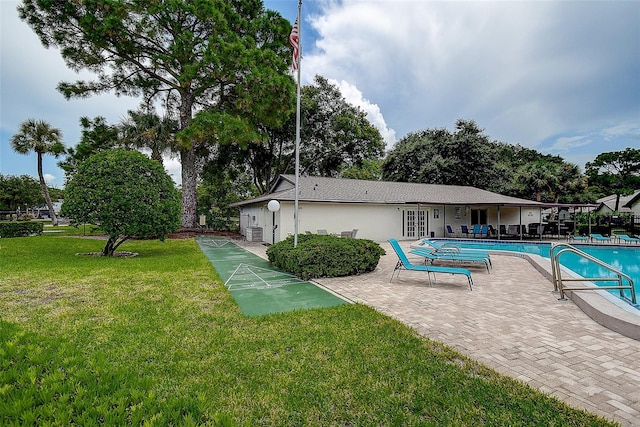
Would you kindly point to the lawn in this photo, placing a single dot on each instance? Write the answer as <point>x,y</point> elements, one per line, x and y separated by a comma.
<point>158,340</point>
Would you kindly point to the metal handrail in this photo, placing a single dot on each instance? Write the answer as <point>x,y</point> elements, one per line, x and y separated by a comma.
<point>557,275</point>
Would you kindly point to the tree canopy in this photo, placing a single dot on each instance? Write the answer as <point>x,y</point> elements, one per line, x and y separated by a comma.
<point>19,192</point>
<point>335,136</point>
<point>468,157</point>
<point>225,60</point>
<point>438,156</point>
<point>125,193</point>
<point>616,172</point>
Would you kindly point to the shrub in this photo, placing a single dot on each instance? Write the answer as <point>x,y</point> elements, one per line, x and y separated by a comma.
<point>126,194</point>
<point>20,229</point>
<point>325,256</point>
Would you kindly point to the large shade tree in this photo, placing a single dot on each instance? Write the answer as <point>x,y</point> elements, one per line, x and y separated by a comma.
<point>438,156</point>
<point>125,193</point>
<point>225,60</point>
<point>335,136</point>
<point>39,137</point>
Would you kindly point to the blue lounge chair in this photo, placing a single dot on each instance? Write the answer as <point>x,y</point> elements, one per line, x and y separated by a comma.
<point>431,257</point>
<point>464,230</point>
<point>599,238</point>
<point>626,239</point>
<point>451,248</point>
<point>476,230</point>
<point>404,264</point>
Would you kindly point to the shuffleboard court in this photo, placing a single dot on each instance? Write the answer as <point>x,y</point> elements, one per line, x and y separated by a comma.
<point>259,288</point>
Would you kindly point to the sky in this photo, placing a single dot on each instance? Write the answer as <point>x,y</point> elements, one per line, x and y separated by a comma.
<point>561,77</point>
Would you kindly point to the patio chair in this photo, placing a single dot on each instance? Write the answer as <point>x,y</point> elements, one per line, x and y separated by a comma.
<point>464,230</point>
<point>450,248</point>
<point>626,239</point>
<point>599,238</point>
<point>450,232</point>
<point>579,238</point>
<point>477,230</point>
<point>404,264</point>
<point>431,257</point>
<point>513,231</point>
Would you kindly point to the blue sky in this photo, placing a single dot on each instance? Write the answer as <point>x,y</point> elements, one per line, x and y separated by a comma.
<point>562,77</point>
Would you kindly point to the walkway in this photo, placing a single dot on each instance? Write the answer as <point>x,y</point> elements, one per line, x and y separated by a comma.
<point>513,323</point>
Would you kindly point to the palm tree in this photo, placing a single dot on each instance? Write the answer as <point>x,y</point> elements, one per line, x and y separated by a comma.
<point>536,177</point>
<point>38,136</point>
<point>145,129</point>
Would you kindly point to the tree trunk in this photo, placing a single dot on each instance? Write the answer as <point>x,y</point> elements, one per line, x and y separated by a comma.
<point>45,192</point>
<point>189,194</point>
<point>189,173</point>
<point>109,248</point>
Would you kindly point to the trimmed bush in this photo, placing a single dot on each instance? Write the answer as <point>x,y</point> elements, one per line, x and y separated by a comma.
<point>325,256</point>
<point>20,229</point>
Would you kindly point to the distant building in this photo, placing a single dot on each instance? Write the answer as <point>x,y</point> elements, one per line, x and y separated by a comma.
<point>633,204</point>
<point>607,204</point>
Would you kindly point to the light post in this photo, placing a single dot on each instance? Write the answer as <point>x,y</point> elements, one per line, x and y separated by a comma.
<point>273,206</point>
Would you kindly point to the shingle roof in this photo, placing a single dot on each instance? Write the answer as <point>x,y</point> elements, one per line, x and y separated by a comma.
<point>339,190</point>
<point>625,201</point>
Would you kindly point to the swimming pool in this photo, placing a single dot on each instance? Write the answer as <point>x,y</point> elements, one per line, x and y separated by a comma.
<point>625,259</point>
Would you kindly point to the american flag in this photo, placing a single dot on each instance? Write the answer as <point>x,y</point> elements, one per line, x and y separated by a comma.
<point>294,39</point>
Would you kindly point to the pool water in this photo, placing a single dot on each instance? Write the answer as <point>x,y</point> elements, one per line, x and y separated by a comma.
<point>625,259</point>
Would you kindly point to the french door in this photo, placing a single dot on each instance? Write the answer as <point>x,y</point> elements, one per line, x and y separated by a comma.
<point>415,223</point>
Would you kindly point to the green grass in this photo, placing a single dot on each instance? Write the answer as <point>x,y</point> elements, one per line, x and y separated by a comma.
<point>158,340</point>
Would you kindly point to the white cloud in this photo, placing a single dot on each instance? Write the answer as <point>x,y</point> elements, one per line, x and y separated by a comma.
<point>173,167</point>
<point>525,71</point>
<point>354,97</point>
<point>565,144</point>
<point>630,130</point>
<point>49,179</point>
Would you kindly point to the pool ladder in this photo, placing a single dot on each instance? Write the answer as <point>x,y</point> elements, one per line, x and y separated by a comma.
<point>558,249</point>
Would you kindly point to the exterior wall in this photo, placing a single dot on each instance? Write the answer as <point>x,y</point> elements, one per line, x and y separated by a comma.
<point>375,222</point>
<point>253,216</point>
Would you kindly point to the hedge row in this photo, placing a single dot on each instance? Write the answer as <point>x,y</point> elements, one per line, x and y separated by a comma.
<point>20,229</point>
<point>325,256</point>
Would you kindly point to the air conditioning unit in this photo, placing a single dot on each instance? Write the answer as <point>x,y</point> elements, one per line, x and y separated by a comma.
<point>254,234</point>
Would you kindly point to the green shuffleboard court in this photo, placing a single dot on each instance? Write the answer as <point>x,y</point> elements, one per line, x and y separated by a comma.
<point>257,286</point>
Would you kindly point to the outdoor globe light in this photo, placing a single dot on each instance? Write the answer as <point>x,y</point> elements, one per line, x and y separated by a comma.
<point>273,206</point>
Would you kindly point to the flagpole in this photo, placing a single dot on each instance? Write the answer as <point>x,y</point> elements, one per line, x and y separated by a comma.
<point>297,185</point>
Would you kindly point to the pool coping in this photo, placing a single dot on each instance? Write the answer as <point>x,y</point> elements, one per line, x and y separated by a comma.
<point>601,306</point>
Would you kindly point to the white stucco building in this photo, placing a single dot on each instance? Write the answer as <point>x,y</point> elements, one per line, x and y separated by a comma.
<point>379,210</point>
